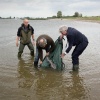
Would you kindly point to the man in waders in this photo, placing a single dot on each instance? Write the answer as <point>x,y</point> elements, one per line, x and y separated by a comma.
<point>24,34</point>
<point>74,38</point>
<point>43,42</point>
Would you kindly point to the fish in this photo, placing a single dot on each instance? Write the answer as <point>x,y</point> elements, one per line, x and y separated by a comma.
<point>51,63</point>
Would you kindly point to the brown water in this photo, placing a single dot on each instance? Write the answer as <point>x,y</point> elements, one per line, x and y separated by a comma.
<point>20,81</point>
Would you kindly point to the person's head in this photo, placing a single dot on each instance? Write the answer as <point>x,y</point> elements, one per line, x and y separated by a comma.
<point>63,30</point>
<point>25,22</point>
<point>42,42</point>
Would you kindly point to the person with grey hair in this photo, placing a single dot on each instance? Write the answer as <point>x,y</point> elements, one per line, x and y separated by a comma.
<point>43,42</point>
<point>74,38</point>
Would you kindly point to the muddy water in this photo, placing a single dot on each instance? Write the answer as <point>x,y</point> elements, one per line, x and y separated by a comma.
<point>20,81</point>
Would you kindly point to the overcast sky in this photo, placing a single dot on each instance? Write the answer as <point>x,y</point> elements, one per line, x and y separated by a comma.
<point>45,8</point>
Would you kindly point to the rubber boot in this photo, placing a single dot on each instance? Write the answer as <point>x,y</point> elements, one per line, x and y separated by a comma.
<point>19,55</point>
<point>75,67</point>
<point>36,64</point>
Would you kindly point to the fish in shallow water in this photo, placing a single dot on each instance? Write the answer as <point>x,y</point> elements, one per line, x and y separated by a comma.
<point>51,63</point>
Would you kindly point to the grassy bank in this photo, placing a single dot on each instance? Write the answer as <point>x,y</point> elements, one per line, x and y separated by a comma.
<point>90,19</point>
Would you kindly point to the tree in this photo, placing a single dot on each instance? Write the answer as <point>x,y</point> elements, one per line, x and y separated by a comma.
<point>59,14</point>
<point>54,16</point>
<point>80,15</point>
<point>9,17</point>
<point>76,14</point>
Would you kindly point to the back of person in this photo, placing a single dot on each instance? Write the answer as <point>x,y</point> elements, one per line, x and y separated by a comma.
<point>76,36</point>
<point>48,38</point>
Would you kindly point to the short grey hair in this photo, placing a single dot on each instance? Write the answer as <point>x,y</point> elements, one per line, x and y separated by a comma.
<point>63,28</point>
<point>42,42</point>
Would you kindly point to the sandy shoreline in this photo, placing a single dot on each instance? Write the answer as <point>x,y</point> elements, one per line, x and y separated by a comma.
<point>84,20</point>
<point>71,19</point>
<point>93,21</point>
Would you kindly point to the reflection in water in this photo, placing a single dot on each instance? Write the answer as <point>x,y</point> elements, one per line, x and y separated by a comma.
<point>54,86</point>
<point>50,84</point>
<point>75,87</point>
<point>25,75</point>
<point>45,84</point>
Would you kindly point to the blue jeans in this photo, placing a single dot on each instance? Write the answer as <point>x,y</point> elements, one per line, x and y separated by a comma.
<point>37,55</point>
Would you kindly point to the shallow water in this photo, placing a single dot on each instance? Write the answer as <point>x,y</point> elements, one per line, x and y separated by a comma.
<point>20,81</point>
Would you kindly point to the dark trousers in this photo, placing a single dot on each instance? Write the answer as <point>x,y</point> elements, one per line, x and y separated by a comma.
<point>21,48</point>
<point>36,57</point>
<point>78,51</point>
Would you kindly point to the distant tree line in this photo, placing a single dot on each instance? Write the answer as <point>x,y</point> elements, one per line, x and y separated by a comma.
<point>59,15</point>
<point>7,17</point>
<point>76,14</point>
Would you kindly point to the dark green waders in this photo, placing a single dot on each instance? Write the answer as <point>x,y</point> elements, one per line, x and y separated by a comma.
<point>21,48</point>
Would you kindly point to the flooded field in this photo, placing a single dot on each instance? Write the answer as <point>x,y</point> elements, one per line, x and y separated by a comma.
<point>19,80</point>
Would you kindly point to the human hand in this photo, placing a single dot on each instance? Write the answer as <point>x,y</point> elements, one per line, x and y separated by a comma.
<point>17,44</point>
<point>40,62</point>
<point>61,36</point>
<point>47,54</point>
<point>33,43</point>
<point>62,55</point>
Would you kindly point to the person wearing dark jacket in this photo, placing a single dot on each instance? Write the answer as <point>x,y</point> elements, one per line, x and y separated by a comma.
<point>24,34</point>
<point>74,38</point>
<point>43,42</point>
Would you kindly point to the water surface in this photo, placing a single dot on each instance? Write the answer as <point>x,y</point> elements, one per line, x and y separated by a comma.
<point>19,80</point>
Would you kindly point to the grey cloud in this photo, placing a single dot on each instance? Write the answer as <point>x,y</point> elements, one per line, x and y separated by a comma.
<point>40,8</point>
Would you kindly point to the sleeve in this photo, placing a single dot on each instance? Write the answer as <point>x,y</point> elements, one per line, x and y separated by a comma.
<point>70,41</point>
<point>40,54</point>
<point>52,45</point>
<point>32,30</point>
<point>18,32</point>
